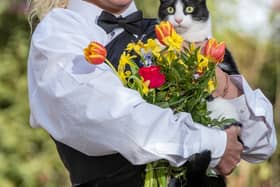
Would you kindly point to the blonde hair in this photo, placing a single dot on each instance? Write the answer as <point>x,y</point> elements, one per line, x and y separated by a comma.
<point>39,8</point>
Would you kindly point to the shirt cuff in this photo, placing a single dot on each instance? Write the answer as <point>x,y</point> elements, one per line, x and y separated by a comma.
<point>215,140</point>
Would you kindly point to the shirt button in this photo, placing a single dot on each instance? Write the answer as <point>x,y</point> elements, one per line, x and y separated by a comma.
<point>113,34</point>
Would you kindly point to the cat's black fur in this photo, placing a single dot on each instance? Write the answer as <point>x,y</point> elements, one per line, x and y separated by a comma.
<point>228,65</point>
<point>196,168</point>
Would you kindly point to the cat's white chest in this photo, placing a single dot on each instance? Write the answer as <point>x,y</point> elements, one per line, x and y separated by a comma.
<point>197,32</point>
<point>220,107</point>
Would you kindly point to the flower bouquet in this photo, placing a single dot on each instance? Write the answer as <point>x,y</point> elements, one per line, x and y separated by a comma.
<point>170,76</point>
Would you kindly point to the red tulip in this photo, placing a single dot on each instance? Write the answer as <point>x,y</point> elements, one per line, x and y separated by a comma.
<point>214,50</point>
<point>163,30</point>
<point>153,75</point>
<point>95,53</point>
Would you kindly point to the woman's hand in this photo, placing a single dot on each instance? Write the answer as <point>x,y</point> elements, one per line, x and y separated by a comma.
<point>232,153</point>
<point>225,87</point>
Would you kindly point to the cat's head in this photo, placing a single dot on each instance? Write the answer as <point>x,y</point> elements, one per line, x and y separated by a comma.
<point>185,15</point>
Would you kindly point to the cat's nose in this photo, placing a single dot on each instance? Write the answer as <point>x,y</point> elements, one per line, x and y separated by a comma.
<point>179,21</point>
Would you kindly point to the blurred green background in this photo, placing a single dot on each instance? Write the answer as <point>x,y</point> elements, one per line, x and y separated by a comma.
<point>28,158</point>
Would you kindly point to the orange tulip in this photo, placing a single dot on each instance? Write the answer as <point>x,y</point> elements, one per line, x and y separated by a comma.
<point>95,53</point>
<point>163,30</point>
<point>215,51</point>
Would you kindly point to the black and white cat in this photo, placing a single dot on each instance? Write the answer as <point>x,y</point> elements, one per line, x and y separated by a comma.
<point>190,18</point>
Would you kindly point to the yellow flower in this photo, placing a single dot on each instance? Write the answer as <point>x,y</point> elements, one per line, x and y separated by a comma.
<point>174,42</point>
<point>135,47</point>
<point>145,86</point>
<point>186,67</point>
<point>125,59</point>
<point>122,72</point>
<point>211,86</point>
<point>130,47</point>
<point>192,48</point>
<point>170,56</point>
<point>202,63</point>
<point>152,46</point>
<point>124,75</point>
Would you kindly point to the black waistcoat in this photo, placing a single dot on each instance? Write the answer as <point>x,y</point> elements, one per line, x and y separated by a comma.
<point>112,170</point>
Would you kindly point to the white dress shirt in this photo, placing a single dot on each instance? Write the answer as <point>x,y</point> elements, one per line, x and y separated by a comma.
<point>256,113</point>
<point>87,107</point>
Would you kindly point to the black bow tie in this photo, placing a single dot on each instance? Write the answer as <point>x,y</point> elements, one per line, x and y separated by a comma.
<point>131,23</point>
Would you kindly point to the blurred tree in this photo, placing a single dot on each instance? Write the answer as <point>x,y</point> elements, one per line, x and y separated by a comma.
<point>275,67</point>
<point>27,157</point>
<point>148,7</point>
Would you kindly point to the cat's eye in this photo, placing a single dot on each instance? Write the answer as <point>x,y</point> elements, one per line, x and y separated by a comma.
<point>170,10</point>
<point>189,9</point>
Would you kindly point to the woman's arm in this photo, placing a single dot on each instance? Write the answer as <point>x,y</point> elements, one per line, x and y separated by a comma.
<point>87,107</point>
<point>256,114</point>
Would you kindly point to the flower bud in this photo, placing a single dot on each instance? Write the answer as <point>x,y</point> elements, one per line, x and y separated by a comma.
<point>215,51</point>
<point>95,53</point>
<point>163,30</point>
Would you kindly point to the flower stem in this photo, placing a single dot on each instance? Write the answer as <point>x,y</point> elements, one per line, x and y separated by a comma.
<point>112,67</point>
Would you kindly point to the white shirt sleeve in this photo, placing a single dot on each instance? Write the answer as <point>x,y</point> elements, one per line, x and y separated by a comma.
<point>87,107</point>
<point>258,131</point>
